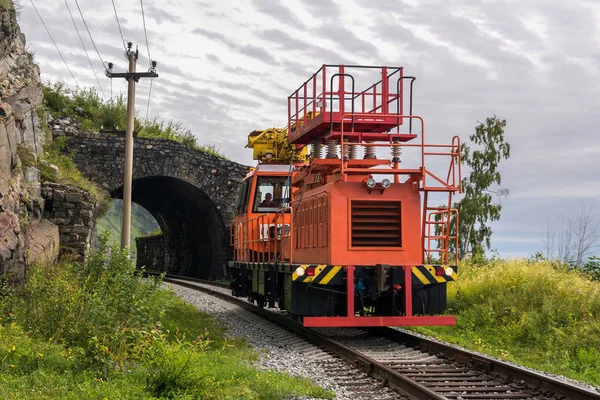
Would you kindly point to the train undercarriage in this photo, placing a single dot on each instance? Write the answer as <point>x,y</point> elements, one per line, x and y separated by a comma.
<point>329,295</point>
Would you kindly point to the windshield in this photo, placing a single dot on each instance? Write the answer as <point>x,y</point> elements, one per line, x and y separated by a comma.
<point>272,193</point>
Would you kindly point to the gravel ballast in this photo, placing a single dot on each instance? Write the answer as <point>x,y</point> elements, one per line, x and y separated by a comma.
<point>283,351</point>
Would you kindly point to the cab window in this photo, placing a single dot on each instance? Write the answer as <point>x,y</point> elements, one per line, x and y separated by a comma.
<point>272,193</point>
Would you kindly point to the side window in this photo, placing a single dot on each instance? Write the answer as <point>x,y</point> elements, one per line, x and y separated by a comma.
<point>243,195</point>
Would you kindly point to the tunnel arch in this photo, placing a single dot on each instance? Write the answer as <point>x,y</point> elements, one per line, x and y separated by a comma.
<point>189,185</point>
<point>194,239</point>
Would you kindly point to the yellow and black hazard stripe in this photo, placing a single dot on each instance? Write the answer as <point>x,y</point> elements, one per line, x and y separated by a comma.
<point>324,274</point>
<point>426,274</point>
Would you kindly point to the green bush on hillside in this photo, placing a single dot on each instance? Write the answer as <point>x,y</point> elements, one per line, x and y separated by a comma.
<point>100,330</point>
<point>94,306</point>
<point>93,113</point>
<point>534,313</point>
<point>591,267</point>
<point>85,106</point>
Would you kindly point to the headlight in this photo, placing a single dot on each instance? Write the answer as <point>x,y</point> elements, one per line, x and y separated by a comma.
<point>371,183</point>
<point>300,271</point>
<point>449,271</point>
<point>386,183</point>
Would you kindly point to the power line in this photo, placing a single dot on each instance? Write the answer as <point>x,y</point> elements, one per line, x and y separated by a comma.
<point>89,33</point>
<point>84,49</point>
<point>51,38</point>
<point>149,58</point>
<point>118,24</point>
<point>145,32</point>
<point>149,95</point>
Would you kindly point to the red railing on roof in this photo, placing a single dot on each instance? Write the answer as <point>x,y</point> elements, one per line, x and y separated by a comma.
<point>316,109</point>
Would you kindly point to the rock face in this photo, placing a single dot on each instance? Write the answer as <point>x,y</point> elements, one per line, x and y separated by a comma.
<point>20,84</point>
<point>21,203</point>
<point>43,242</point>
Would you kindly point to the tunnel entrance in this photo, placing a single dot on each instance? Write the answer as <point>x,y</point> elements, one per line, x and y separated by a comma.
<point>193,239</point>
<point>142,224</point>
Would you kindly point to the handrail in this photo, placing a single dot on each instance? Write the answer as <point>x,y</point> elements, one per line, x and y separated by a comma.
<point>342,143</point>
<point>451,182</point>
<point>301,103</point>
<point>341,93</point>
<point>445,235</point>
<point>283,238</point>
<point>410,104</point>
<point>254,241</point>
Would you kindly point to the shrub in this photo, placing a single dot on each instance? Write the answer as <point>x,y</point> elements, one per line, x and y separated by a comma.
<point>94,306</point>
<point>94,113</point>
<point>56,98</point>
<point>99,330</point>
<point>114,114</point>
<point>592,267</point>
<point>171,130</point>
<point>26,156</point>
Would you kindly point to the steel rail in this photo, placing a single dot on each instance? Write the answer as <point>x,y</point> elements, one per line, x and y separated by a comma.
<point>358,360</point>
<point>534,380</point>
<point>491,365</point>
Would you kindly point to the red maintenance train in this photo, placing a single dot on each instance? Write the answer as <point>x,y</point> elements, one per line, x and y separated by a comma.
<point>346,234</point>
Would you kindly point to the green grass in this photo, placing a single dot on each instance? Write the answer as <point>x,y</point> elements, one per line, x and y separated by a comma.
<point>6,4</point>
<point>99,330</point>
<point>533,313</point>
<point>196,361</point>
<point>155,232</point>
<point>224,371</point>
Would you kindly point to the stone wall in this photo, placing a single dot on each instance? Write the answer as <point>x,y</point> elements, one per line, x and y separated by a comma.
<point>151,253</point>
<point>74,210</point>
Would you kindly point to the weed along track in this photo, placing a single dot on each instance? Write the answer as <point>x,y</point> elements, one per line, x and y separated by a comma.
<point>366,363</point>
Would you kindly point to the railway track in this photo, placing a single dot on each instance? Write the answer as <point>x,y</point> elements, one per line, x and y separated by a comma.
<point>412,365</point>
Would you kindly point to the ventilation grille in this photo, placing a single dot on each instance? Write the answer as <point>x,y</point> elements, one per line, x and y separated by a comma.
<point>376,224</point>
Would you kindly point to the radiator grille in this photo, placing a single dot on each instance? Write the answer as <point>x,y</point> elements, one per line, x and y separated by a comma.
<point>376,224</point>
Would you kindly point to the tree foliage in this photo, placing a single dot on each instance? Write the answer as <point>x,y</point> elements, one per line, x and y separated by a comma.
<point>482,156</point>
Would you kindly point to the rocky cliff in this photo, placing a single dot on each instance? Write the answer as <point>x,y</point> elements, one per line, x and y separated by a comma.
<point>24,236</point>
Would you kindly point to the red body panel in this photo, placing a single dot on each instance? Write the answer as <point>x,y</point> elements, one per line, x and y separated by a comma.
<point>327,240</point>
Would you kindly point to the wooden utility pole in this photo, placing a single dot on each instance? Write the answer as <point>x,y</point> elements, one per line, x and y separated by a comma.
<point>132,77</point>
<point>126,223</point>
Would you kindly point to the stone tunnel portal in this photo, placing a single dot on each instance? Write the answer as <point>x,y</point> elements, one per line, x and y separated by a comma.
<point>194,240</point>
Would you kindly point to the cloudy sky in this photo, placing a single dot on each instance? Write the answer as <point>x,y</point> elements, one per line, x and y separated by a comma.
<point>226,68</point>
